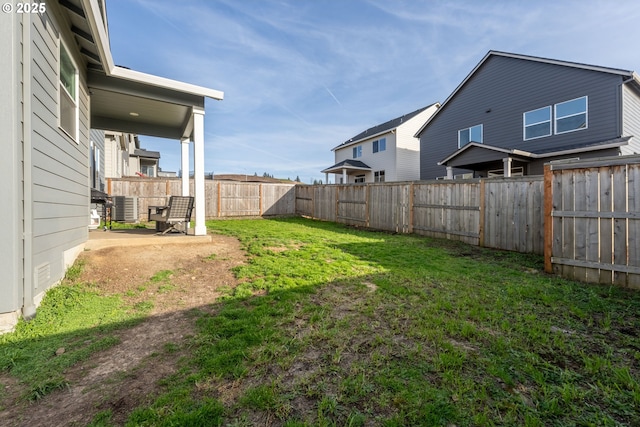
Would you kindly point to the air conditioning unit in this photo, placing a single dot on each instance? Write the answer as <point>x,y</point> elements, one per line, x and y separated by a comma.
<point>125,209</point>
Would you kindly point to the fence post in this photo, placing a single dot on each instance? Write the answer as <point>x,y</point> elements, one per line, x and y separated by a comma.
<point>366,205</point>
<point>548,222</point>
<point>482,214</point>
<point>410,230</point>
<point>219,199</point>
<point>337,202</point>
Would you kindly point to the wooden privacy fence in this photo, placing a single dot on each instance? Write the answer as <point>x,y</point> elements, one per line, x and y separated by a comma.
<point>223,198</point>
<point>592,227</point>
<point>498,213</point>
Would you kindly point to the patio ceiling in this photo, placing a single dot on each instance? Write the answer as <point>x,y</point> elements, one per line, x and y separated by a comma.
<point>135,107</point>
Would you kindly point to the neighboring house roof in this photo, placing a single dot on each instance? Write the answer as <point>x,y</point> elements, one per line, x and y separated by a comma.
<point>535,154</point>
<point>631,75</point>
<point>348,164</point>
<point>141,152</point>
<point>382,128</point>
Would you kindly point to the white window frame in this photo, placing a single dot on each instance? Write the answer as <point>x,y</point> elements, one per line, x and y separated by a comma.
<point>359,179</point>
<point>469,129</point>
<point>62,91</point>
<point>525,125</point>
<point>586,115</point>
<point>379,176</point>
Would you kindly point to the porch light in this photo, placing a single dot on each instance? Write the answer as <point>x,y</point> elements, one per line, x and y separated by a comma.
<point>134,114</point>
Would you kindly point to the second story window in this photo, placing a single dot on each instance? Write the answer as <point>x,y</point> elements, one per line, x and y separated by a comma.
<point>472,134</point>
<point>571,115</point>
<point>537,123</point>
<point>379,145</point>
<point>357,151</point>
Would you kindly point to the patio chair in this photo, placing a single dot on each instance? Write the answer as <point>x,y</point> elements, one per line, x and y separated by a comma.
<point>176,214</point>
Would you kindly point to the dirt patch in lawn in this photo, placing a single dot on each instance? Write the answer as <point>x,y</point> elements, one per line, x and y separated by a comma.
<point>175,278</point>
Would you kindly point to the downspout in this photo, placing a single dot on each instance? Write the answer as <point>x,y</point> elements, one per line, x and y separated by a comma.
<point>28,308</point>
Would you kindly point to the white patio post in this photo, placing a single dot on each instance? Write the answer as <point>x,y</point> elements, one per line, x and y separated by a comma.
<point>449,172</point>
<point>198,170</point>
<point>184,165</point>
<point>344,176</point>
<point>507,166</point>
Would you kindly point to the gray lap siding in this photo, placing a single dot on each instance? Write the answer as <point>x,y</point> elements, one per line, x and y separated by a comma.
<point>60,192</point>
<point>498,94</point>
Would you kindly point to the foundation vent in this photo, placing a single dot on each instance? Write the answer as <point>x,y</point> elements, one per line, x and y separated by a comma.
<point>43,275</point>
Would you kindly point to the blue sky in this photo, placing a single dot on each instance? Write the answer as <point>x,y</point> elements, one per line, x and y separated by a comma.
<point>302,76</point>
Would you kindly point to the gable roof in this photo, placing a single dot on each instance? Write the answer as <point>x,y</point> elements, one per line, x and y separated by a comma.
<point>383,128</point>
<point>630,75</point>
<point>349,164</point>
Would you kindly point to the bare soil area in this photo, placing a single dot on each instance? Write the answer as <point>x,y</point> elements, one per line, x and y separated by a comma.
<point>126,375</point>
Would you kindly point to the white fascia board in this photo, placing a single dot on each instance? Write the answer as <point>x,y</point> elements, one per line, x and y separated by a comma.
<point>157,81</point>
<point>101,39</point>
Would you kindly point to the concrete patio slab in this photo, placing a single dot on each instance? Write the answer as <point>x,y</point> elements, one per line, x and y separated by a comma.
<point>99,239</point>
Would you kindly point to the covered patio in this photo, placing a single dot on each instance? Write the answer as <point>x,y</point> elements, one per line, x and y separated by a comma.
<point>125,100</point>
<point>346,168</point>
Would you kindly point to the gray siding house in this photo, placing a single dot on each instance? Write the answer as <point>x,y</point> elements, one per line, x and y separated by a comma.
<point>58,81</point>
<point>513,113</point>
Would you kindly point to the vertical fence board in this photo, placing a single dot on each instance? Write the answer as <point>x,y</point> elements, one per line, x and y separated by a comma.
<point>606,224</point>
<point>634,224</point>
<point>580,224</point>
<point>620,224</point>
<point>568,223</point>
<point>592,235</point>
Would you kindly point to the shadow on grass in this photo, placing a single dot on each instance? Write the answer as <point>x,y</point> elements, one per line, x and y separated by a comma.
<point>338,326</point>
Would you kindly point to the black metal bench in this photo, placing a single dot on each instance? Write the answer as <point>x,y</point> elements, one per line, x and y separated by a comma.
<point>177,213</point>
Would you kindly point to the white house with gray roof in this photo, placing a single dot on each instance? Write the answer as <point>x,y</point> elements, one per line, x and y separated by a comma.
<point>386,152</point>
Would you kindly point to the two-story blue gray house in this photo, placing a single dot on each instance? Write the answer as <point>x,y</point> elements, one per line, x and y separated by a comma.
<point>513,113</point>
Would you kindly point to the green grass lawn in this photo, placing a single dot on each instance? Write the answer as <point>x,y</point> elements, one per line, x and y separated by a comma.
<point>337,326</point>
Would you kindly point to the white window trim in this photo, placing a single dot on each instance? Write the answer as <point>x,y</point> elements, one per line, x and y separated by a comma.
<point>469,129</point>
<point>586,113</point>
<point>525,126</point>
<point>76,101</point>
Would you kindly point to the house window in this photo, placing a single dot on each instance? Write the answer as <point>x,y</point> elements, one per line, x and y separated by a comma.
<point>148,170</point>
<point>68,94</point>
<point>472,134</point>
<point>378,176</point>
<point>379,145</point>
<point>359,179</point>
<point>357,151</point>
<point>537,123</point>
<point>571,115</point>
